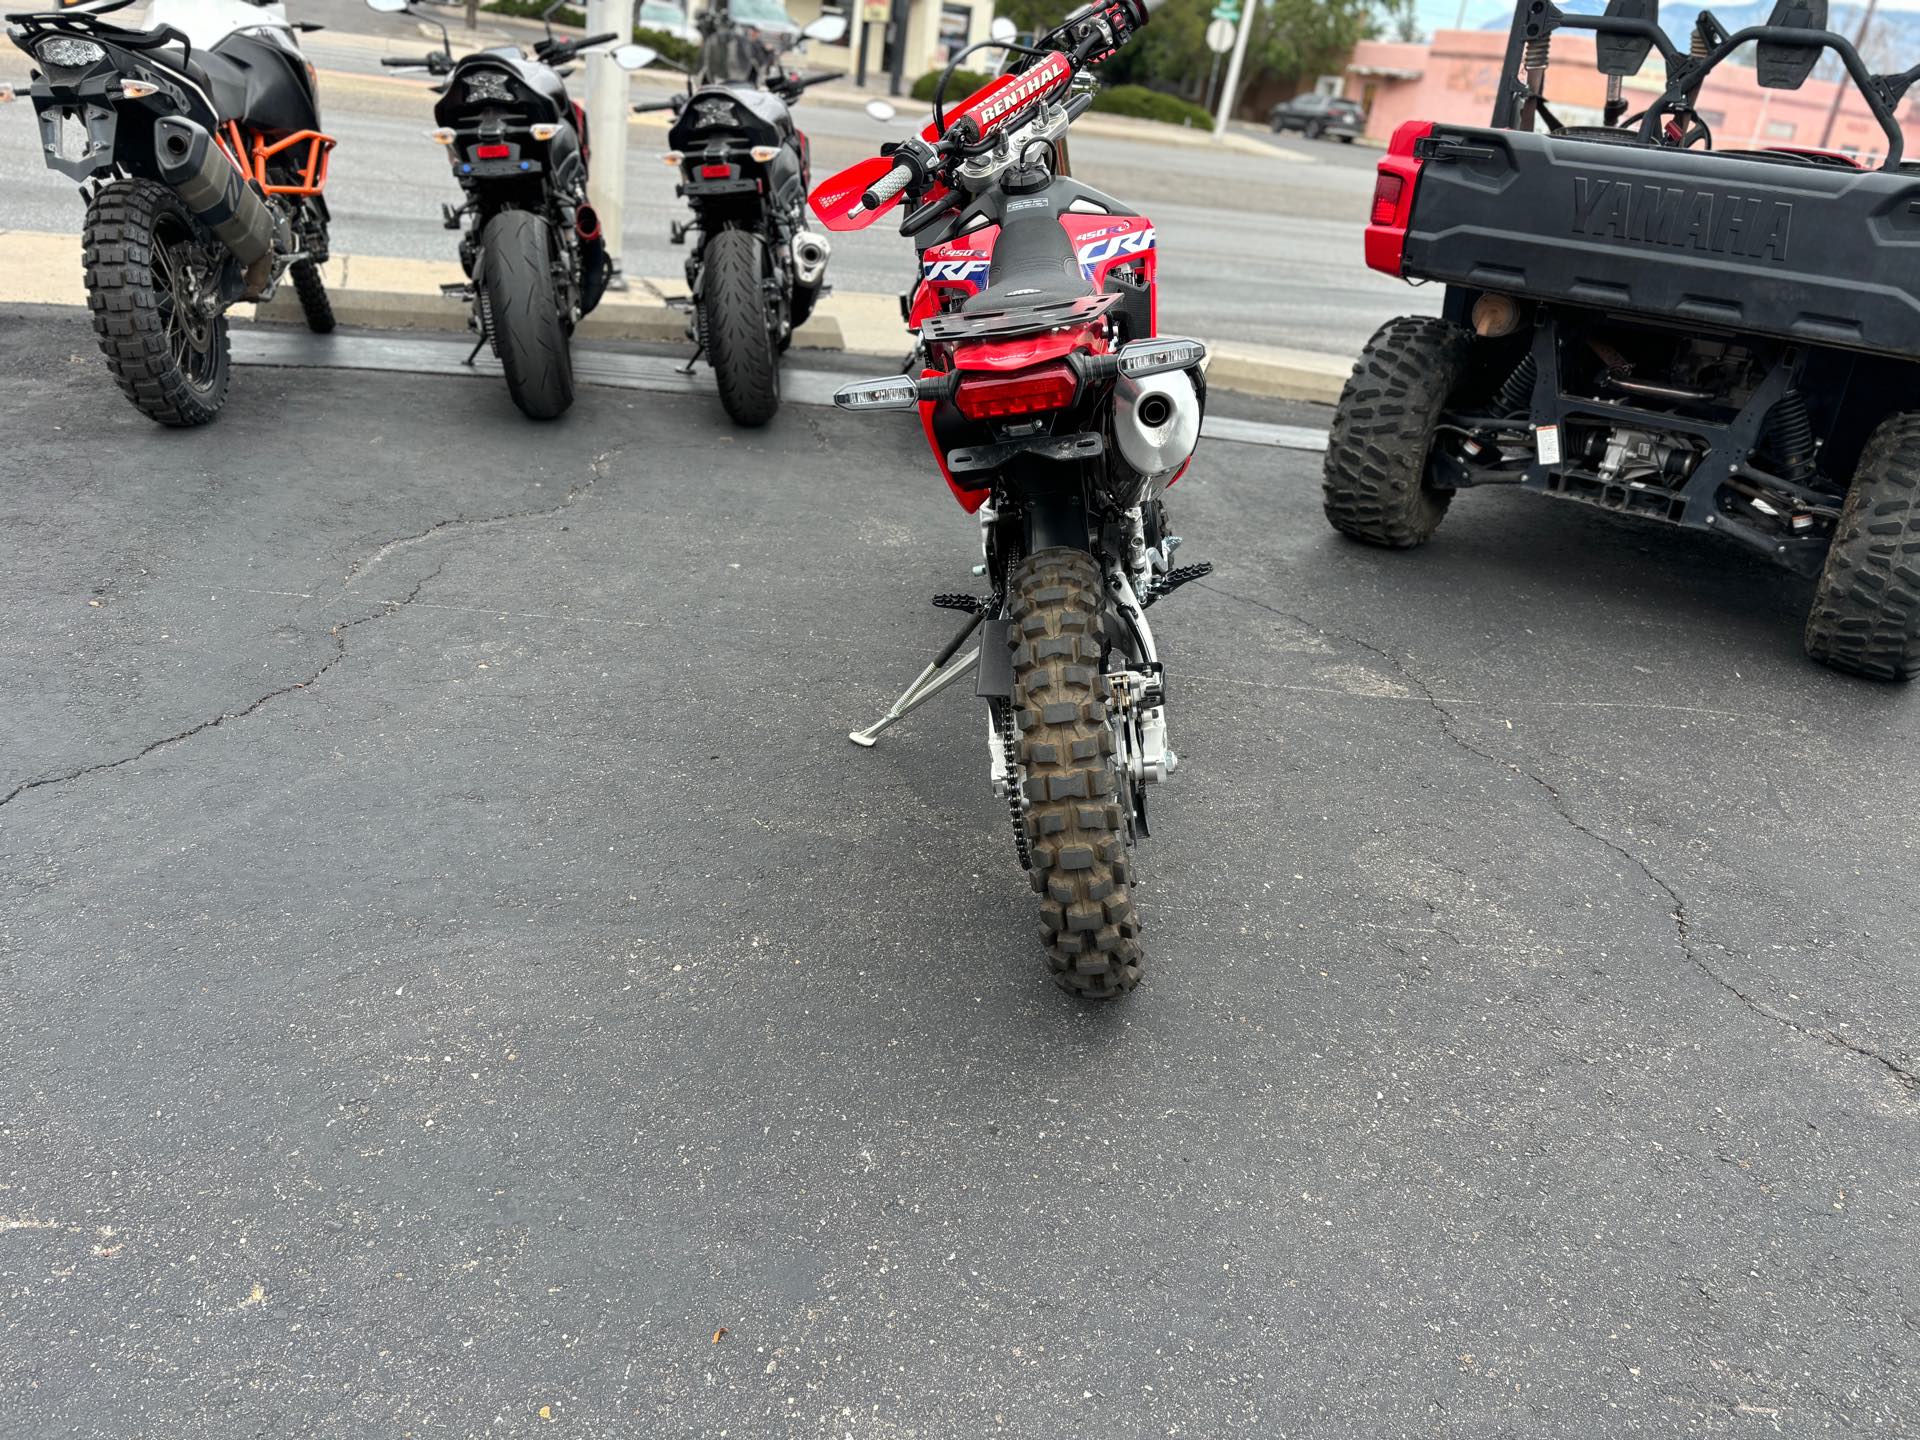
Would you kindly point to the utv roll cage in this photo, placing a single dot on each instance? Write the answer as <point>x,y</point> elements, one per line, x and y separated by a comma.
<point>1629,30</point>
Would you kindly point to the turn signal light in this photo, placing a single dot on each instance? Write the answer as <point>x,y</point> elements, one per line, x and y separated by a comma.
<point>138,89</point>
<point>986,396</point>
<point>545,132</point>
<point>492,152</point>
<point>890,392</point>
<point>441,136</point>
<point>672,158</point>
<point>763,154</point>
<point>1386,198</point>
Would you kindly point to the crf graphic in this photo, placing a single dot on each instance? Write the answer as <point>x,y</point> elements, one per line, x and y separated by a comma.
<point>1685,219</point>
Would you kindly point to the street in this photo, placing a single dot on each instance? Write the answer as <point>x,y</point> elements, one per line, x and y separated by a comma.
<point>457,978</point>
<point>1258,249</point>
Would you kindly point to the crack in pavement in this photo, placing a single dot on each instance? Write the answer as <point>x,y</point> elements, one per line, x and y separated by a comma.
<point>597,469</point>
<point>1682,922</point>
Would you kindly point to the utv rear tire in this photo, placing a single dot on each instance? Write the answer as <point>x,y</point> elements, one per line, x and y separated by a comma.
<point>516,260</point>
<point>1076,828</point>
<point>1375,485</point>
<point>1866,611</point>
<point>314,303</point>
<point>173,365</point>
<point>740,332</point>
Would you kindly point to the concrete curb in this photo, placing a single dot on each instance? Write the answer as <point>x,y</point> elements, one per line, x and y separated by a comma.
<point>386,293</point>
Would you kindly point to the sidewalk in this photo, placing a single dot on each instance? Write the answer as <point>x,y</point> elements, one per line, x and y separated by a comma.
<point>387,293</point>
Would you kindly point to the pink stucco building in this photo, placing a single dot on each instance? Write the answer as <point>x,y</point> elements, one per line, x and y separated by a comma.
<point>1454,77</point>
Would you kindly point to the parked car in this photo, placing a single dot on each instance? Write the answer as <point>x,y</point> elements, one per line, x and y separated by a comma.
<point>1317,115</point>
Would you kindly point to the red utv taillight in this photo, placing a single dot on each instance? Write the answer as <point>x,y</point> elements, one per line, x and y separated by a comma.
<point>492,152</point>
<point>1393,188</point>
<point>984,395</point>
<point>1386,198</point>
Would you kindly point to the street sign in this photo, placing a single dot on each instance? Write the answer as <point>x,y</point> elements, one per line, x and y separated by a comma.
<point>1220,36</point>
<point>1227,10</point>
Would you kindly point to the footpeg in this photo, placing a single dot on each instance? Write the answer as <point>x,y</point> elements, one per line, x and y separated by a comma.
<point>971,603</point>
<point>459,290</point>
<point>1171,581</point>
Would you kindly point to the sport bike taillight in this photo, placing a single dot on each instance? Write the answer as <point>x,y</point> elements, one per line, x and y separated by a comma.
<point>1386,198</point>
<point>716,172</point>
<point>492,152</point>
<point>984,395</point>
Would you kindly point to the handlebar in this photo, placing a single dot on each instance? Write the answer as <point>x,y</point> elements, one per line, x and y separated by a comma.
<point>435,62</point>
<point>887,186</point>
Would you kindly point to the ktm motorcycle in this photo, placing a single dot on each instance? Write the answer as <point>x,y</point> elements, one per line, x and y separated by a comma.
<point>755,269</point>
<point>530,243</point>
<point>1059,417</point>
<point>198,147</point>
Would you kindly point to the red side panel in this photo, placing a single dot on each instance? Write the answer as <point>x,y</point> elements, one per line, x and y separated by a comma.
<point>1387,239</point>
<point>957,268</point>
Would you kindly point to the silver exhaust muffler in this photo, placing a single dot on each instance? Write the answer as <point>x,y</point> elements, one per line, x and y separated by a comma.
<point>196,170</point>
<point>810,254</point>
<point>1156,422</point>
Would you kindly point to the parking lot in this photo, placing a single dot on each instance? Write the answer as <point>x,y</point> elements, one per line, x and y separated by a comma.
<point>457,977</point>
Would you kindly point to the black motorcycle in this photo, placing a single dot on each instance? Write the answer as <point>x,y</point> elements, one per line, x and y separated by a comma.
<point>755,269</point>
<point>531,245</point>
<point>202,170</point>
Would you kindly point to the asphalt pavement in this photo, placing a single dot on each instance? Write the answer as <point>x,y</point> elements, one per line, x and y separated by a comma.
<point>457,978</point>
<point>1263,250</point>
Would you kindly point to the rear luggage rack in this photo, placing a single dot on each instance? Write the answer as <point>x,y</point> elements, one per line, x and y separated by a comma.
<point>1023,320</point>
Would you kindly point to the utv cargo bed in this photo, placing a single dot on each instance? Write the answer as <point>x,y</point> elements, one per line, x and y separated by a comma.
<point>1803,249</point>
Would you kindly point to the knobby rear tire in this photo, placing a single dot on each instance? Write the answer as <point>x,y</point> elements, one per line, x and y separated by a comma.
<point>529,332</point>
<point>1374,484</point>
<point>1075,821</point>
<point>1866,609</point>
<point>132,228</point>
<point>740,338</point>
<point>312,292</point>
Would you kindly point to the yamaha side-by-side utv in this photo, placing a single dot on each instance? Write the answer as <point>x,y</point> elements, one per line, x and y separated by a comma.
<point>1720,338</point>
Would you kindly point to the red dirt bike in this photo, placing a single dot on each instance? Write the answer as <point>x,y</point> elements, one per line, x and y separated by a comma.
<point>1059,419</point>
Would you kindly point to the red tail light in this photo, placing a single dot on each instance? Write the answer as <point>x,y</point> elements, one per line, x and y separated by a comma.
<point>716,172</point>
<point>984,395</point>
<point>1398,177</point>
<point>1386,198</point>
<point>492,152</point>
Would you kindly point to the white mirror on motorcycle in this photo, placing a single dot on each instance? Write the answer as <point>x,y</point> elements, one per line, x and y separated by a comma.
<point>828,29</point>
<point>635,57</point>
<point>389,7</point>
<point>881,110</point>
<point>1003,29</point>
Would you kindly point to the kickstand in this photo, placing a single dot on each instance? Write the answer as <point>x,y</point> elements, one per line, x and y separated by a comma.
<point>929,683</point>
<point>475,351</point>
<point>694,359</point>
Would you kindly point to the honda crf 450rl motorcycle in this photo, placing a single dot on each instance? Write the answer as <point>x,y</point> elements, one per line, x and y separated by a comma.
<point>1059,418</point>
<point>755,269</point>
<point>530,243</point>
<point>197,143</point>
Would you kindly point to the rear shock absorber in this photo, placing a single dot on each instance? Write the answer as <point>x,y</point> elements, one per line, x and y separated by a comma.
<point>1534,61</point>
<point>1516,391</point>
<point>1788,437</point>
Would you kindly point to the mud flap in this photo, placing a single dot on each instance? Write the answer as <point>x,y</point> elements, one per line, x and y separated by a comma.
<point>994,678</point>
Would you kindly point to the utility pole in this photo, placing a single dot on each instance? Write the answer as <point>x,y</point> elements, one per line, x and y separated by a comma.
<point>607,93</point>
<point>1232,88</point>
<point>1840,90</point>
<point>897,24</point>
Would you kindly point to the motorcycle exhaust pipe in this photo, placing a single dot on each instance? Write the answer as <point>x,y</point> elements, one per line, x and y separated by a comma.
<point>1156,421</point>
<point>810,254</point>
<point>586,220</point>
<point>196,170</point>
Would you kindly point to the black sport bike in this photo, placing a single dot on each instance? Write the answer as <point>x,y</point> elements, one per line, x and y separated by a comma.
<point>531,245</point>
<point>200,154</point>
<point>755,269</point>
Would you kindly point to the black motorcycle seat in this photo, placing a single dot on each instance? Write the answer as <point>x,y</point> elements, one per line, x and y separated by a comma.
<point>1033,264</point>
